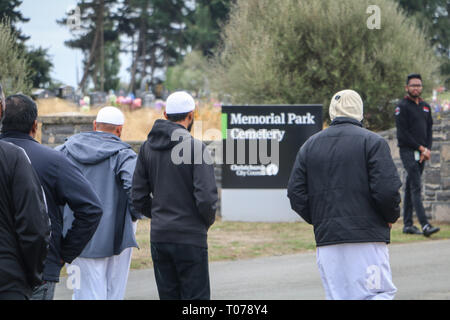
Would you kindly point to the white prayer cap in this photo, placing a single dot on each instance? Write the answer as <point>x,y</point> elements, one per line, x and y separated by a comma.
<point>179,102</point>
<point>111,115</point>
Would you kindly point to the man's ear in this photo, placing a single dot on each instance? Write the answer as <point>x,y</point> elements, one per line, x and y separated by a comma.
<point>34,129</point>
<point>165,116</point>
<point>94,126</point>
<point>119,131</point>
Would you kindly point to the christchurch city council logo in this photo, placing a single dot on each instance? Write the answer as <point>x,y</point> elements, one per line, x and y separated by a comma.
<point>272,169</point>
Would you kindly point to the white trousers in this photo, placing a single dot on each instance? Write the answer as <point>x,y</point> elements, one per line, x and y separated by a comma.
<point>102,278</point>
<point>357,271</point>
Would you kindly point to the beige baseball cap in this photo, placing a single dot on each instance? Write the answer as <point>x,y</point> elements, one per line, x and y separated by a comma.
<point>346,103</point>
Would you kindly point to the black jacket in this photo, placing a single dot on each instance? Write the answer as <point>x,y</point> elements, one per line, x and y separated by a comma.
<point>414,124</point>
<point>63,184</point>
<point>183,199</point>
<point>346,185</point>
<point>24,223</point>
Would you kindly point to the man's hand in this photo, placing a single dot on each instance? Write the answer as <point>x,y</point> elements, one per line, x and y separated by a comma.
<point>425,154</point>
<point>422,158</point>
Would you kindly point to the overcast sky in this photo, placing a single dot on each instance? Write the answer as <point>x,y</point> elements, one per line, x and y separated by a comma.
<point>45,32</point>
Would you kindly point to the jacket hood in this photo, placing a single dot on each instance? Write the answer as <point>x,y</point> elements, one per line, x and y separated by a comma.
<point>94,147</point>
<point>160,137</point>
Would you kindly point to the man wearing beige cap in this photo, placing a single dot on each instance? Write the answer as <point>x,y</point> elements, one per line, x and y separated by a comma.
<point>344,182</point>
<point>108,163</point>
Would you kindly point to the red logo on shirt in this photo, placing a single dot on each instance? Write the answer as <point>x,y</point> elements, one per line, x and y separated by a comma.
<point>426,109</point>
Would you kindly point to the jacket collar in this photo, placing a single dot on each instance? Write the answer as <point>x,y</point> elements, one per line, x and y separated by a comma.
<point>16,135</point>
<point>407,97</point>
<point>342,120</point>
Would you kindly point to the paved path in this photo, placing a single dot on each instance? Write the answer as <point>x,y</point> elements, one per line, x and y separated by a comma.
<point>420,271</point>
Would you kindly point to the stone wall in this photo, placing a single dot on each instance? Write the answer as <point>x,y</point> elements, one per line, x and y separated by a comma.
<point>436,176</point>
<point>56,128</point>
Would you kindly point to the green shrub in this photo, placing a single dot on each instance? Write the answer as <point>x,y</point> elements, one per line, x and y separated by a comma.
<point>14,70</point>
<point>304,51</point>
<point>190,75</point>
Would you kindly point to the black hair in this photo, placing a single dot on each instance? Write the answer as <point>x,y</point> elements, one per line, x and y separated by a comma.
<point>413,76</point>
<point>176,117</point>
<point>20,114</point>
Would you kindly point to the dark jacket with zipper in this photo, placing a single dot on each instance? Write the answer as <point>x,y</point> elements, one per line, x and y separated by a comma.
<point>63,183</point>
<point>344,182</point>
<point>24,223</point>
<point>174,186</point>
<point>414,124</point>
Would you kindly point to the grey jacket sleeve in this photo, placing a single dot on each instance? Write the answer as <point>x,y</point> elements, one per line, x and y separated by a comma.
<point>76,191</point>
<point>384,181</point>
<point>126,165</point>
<point>205,188</point>
<point>141,190</point>
<point>298,188</point>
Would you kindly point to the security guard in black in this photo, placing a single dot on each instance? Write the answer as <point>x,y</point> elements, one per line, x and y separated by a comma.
<point>415,136</point>
<point>414,124</point>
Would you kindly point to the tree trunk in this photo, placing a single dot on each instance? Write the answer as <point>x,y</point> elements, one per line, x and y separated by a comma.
<point>97,47</point>
<point>140,52</point>
<point>102,44</point>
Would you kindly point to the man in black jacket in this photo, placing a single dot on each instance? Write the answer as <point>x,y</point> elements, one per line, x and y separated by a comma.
<point>63,183</point>
<point>345,184</point>
<point>175,186</point>
<point>24,223</point>
<point>415,138</point>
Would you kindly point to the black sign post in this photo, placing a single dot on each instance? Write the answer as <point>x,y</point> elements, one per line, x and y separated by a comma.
<point>260,143</point>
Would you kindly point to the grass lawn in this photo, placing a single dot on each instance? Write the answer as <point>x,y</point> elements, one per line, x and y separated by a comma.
<point>246,240</point>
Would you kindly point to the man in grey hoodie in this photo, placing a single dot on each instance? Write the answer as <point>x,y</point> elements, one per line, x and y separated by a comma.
<point>108,163</point>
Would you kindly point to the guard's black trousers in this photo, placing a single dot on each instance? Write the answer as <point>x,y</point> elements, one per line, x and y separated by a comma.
<point>181,271</point>
<point>413,188</point>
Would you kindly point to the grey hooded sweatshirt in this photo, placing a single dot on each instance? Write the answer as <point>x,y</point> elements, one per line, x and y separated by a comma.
<point>108,163</point>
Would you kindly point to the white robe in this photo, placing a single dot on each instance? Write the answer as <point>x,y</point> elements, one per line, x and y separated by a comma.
<point>103,278</point>
<point>356,271</point>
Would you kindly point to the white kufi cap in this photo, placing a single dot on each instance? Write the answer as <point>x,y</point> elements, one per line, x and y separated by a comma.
<point>110,115</point>
<point>179,102</point>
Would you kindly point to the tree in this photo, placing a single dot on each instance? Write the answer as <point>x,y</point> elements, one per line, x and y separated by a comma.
<point>41,65</point>
<point>303,51</point>
<point>157,29</point>
<point>39,62</point>
<point>15,74</point>
<point>433,15</point>
<point>8,10</point>
<point>205,25</point>
<point>112,66</point>
<point>189,75</point>
<point>96,31</point>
